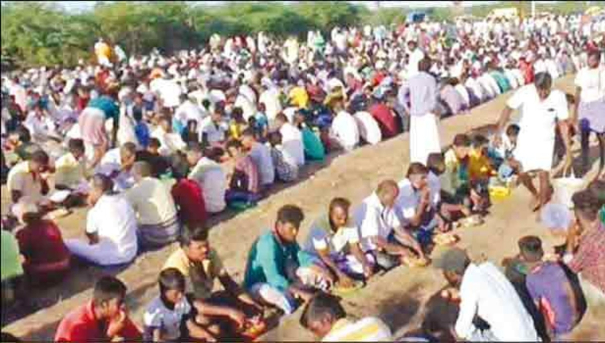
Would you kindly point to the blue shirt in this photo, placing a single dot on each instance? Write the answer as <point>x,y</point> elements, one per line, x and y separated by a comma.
<point>107,105</point>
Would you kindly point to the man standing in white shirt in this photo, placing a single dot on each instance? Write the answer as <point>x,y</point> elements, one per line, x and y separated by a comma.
<point>293,148</point>
<point>381,231</point>
<point>185,112</point>
<point>542,110</point>
<point>485,293</point>
<point>111,227</point>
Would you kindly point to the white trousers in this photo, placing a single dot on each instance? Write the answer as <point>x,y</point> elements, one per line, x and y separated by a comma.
<point>424,137</point>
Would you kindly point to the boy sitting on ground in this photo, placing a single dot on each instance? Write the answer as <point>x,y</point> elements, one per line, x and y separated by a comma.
<point>244,183</point>
<point>457,166</point>
<point>167,316</point>
<point>449,208</point>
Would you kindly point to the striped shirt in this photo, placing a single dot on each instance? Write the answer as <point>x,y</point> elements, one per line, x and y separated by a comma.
<point>368,329</point>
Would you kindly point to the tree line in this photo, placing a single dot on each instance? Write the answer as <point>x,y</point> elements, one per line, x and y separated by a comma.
<point>36,33</point>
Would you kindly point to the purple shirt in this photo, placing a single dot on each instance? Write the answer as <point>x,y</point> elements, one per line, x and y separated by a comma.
<point>452,98</point>
<point>422,90</point>
<point>547,286</point>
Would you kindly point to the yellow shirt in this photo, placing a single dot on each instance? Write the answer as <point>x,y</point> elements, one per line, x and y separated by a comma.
<point>200,276</point>
<point>152,202</point>
<point>69,171</point>
<point>479,166</point>
<point>368,329</point>
<point>21,179</point>
<point>103,50</point>
<point>299,97</point>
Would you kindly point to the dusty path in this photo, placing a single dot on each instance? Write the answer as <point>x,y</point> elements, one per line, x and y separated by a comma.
<point>399,297</point>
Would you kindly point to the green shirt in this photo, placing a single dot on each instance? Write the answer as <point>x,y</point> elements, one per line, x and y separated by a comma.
<point>501,80</point>
<point>602,215</point>
<point>11,264</point>
<point>268,259</point>
<point>314,150</point>
<point>107,105</point>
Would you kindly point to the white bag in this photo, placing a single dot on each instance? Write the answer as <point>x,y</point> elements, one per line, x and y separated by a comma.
<point>566,187</point>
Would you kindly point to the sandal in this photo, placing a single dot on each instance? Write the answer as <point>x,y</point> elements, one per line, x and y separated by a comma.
<point>343,291</point>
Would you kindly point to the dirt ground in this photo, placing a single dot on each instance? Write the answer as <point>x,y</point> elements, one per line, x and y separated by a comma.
<point>402,297</point>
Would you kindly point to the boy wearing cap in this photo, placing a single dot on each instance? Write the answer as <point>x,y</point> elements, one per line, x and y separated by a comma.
<point>485,292</point>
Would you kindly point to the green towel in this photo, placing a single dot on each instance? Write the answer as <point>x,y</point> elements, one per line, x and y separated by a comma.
<point>11,264</point>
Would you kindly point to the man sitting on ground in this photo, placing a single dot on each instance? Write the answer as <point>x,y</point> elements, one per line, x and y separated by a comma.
<point>155,208</point>
<point>334,238</point>
<point>325,317</point>
<point>111,227</point>
<point>381,231</point>
<point>277,268</point>
<point>201,265</point>
<point>485,293</point>
<point>104,318</point>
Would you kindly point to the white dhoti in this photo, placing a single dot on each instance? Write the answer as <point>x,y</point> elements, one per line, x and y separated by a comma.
<point>424,137</point>
<point>534,153</point>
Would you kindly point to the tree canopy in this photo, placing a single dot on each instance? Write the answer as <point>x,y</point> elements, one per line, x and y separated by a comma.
<point>36,33</point>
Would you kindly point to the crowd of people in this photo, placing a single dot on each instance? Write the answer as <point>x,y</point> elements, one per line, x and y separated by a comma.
<point>156,144</point>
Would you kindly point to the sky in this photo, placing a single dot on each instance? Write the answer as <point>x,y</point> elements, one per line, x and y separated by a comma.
<point>77,6</point>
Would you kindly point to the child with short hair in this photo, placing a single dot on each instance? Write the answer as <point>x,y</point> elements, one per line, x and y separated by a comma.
<point>501,155</point>
<point>449,209</point>
<point>167,317</point>
<point>457,166</point>
<point>237,124</point>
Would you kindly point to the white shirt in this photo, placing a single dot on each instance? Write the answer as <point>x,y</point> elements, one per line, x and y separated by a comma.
<point>416,56</point>
<point>538,117</point>
<point>213,181</point>
<point>373,219</point>
<point>152,201</point>
<point>486,292</point>
<point>344,130</point>
<point>170,142</point>
<point>270,98</point>
<point>408,200</point>
<point>247,106</point>
<point>114,221</point>
<point>158,316</point>
<point>319,239</point>
<point>592,82</point>
<point>188,111</point>
<point>40,127</point>
<point>214,133</point>
<point>293,148</point>
<point>368,127</point>
<point>261,156</point>
<point>475,86</point>
<point>169,92</point>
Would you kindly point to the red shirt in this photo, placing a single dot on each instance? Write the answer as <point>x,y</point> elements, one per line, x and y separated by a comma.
<point>42,245</point>
<point>81,325</point>
<point>188,197</point>
<point>386,120</point>
<point>589,260</point>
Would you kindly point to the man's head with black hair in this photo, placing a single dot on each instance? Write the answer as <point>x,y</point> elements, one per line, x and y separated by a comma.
<point>530,248</point>
<point>462,146</point>
<point>172,285</point>
<point>321,313</point>
<point>289,218</point>
<point>194,242</point>
<point>108,297</point>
